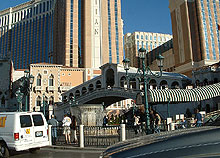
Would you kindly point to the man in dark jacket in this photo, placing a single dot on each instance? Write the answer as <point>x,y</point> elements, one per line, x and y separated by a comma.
<point>54,124</point>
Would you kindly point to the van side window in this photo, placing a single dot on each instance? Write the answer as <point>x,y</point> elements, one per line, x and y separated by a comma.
<point>25,121</point>
<point>38,120</point>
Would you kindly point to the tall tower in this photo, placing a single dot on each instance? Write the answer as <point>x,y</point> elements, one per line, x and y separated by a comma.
<point>102,35</point>
<point>195,33</point>
<point>75,33</point>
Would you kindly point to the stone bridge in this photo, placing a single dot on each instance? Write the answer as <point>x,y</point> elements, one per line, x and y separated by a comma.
<point>111,86</point>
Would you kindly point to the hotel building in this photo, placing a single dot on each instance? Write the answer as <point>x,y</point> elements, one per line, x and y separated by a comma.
<point>195,33</point>
<point>75,33</point>
<point>148,40</point>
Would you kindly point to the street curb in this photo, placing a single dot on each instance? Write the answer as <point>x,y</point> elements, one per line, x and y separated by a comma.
<point>74,148</point>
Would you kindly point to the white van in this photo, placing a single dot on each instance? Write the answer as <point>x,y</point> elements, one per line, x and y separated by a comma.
<point>22,131</point>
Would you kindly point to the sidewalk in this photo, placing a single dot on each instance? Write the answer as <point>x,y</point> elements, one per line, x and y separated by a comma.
<point>75,147</point>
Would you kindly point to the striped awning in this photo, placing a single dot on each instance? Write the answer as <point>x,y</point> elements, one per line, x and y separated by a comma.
<point>184,95</point>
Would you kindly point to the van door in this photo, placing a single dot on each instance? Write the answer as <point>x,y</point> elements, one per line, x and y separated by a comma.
<point>40,128</point>
<point>26,130</point>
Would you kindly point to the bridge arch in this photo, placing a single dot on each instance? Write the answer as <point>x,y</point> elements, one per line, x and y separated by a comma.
<point>163,84</point>
<point>153,84</point>
<point>110,78</point>
<point>123,81</point>
<point>71,96</point>
<point>84,90</point>
<point>98,84</point>
<point>175,85</point>
<point>91,87</point>
<point>132,83</point>
<point>77,93</point>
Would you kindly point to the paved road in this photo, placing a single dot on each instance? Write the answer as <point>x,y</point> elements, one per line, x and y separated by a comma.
<point>194,143</point>
<point>58,153</point>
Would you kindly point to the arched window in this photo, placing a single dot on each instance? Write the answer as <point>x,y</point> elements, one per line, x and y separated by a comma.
<point>84,90</point>
<point>40,8</point>
<point>51,79</point>
<point>163,84</point>
<point>91,87</point>
<point>38,101</point>
<point>77,93</point>
<point>71,96</point>
<point>153,84</point>
<point>175,85</point>
<point>110,78</point>
<point>39,80</point>
<point>98,85</point>
<point>123,81</point>
<point>132,83</point>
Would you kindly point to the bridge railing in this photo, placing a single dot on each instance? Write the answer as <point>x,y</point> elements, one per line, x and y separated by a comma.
<point>104,136</point>
<point>101,136</point>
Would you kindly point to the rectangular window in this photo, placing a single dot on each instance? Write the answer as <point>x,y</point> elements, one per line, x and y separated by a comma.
<point>146,37</point>
<point>25,121</point>
<point>38,120</point>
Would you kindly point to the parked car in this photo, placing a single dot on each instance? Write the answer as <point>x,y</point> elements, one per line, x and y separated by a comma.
<point>22,131</point>
<point>190,143</point>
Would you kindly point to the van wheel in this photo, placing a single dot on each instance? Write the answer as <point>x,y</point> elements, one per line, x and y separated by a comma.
<point>34,150</point>
<point>4,150</point>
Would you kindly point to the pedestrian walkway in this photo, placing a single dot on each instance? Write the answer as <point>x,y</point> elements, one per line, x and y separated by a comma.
<point>75,147</point>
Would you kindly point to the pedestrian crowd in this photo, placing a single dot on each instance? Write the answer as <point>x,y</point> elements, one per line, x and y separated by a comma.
<point>68,124</point>
<point>136,119</point>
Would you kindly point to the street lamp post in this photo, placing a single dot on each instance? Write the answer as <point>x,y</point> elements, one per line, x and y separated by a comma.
<point>44,109</point>
<point>25,85</point>
<point>29,79</point>
<point>19,97</point>
<point>144,72</point>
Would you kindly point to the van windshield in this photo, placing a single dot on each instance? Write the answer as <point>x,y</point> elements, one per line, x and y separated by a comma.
<point>38,120</point>
<point>25,121</point>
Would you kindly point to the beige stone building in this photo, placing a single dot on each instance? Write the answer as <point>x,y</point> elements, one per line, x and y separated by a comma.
<point>51,80</point>
<point>195,27</point>
<point>148,40</point>
<point>166,50</point>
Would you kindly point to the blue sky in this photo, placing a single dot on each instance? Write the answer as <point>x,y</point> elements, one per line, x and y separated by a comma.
<point>138,15</point>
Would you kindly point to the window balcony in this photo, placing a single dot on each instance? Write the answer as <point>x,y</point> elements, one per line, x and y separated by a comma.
<point>38,88</point>
<point>50,88</point>
<point>65,88</point>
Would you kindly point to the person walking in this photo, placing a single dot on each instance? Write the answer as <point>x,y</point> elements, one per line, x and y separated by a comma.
<point>105,121</point>
<point>54,124</point>
<point>136,124</point>
<point>73,127</point>
<point>198,118</point>
<point>66,128</point>
<point>152,121</point>
<point>157,123</point>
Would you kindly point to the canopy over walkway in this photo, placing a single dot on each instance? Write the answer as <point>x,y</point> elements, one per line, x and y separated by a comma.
<point>184,95</point>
